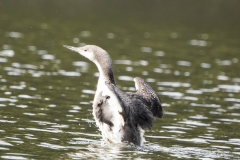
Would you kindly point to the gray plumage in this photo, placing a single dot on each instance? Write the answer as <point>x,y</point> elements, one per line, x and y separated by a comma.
<point>120,116</point>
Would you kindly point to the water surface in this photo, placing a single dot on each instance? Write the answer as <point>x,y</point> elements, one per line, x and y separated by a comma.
<point>47,90</point>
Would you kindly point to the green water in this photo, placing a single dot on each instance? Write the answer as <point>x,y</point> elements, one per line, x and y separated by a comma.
<point>188,51</point>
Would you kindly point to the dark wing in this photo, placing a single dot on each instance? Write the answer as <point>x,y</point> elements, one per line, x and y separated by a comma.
<point>136,112</point>
<point>144,115</point>
<point>149,97</point>
<point>156,109</point>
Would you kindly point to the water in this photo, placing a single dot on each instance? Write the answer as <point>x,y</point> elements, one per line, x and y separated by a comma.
<point>47,90</point>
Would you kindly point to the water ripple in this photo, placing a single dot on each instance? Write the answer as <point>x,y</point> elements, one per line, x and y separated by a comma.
<point>50,130</point>
<point>3,143</point>
<point>159,53</point>
<point>184,63</point>
<point>8,100</point>
<point>191,91</point>
<point>28,66</point>
<point>67,73</point>
<point>7,53</point>
<point>146,49</point>
<point>28,97</point>
<point>14,34</point>
<point>198,117</point>
<point>205,65</point>
<point>193,123</point>
<point>3,60</point>
<point>176,127</point>
<point>205,105</point>
<point>87,91</point>
<point>224,62</point>
<point>14,157</point>
<point>125,62</point>
<point>7,121</point>
<point>230,120</point>
<point>51,146</point>
<point>174,84</point>
<point>230,88</point>
<point>176,95</point>
<point>195,140</point>
<point>190,98</point>
<point>125,78</point>
<point>209,89</point>
<point>83,65</point>
<point>232,100</point>
<point>48,57</point>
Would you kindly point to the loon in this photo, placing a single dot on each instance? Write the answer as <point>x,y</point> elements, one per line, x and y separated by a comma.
<point>120,116</point>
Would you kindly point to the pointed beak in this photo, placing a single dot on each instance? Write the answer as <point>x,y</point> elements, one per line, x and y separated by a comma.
<point>71,48</point>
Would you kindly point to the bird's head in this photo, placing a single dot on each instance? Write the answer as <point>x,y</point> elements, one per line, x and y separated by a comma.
<point>98,56</point>
<point>91,52</point>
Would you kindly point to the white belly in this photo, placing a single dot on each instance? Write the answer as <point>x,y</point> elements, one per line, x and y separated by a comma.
<point>113,108</point>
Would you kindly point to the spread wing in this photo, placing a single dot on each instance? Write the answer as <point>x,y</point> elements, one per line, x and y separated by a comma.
<point>144,115</point>
<point>149,97</point>
<point>135,111</point>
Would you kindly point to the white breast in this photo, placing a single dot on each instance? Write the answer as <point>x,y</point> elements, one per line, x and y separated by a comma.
<point>113,108</point>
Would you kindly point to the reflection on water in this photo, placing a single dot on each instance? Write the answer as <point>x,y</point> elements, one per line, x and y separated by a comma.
<point>47,92</point>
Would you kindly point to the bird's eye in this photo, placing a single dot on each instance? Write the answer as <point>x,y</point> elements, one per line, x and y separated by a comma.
<point>85,50</point>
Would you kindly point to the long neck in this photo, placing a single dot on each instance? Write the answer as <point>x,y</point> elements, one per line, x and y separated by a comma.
<point>106,73</point>
<point>105,69</point>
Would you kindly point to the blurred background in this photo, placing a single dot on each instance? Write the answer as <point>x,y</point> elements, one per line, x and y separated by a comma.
<point>187,50</point>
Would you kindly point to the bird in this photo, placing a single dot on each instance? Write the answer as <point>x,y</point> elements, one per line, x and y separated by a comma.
<point>120,116</point>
